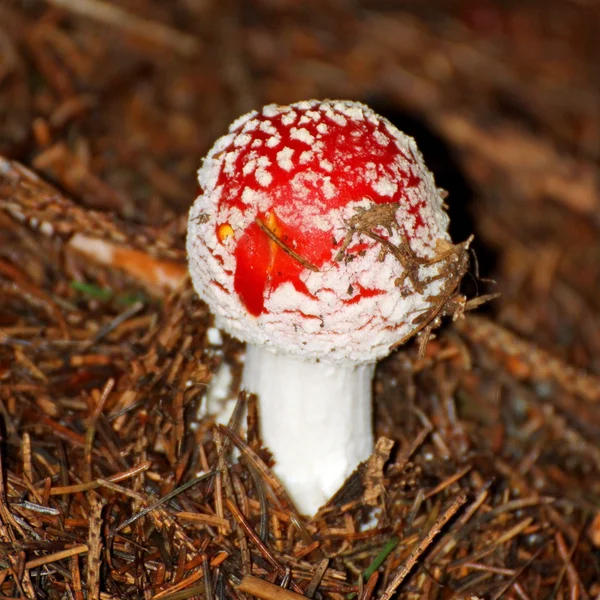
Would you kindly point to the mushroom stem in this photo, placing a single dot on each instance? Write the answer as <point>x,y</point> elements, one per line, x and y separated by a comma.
<point>316,418</point>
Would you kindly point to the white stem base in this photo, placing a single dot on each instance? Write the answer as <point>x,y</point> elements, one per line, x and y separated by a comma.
<point>220,399</point>
<point>316,418</point>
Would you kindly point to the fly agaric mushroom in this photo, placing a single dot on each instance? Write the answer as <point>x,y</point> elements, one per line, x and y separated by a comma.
<point>316,239</point>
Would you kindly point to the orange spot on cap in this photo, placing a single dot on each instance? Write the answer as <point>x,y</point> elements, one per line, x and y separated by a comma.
<point>224,231</point>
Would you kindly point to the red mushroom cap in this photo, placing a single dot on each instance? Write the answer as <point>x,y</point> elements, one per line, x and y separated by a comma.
<point>297,236</point>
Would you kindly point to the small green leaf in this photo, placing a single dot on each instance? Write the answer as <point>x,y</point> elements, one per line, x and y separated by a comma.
<point>129,299</point>
<point>377,561</point>
<point>92,290</point>
<point>380,558</point>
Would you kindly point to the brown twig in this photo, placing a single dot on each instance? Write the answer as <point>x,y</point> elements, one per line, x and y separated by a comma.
<point>266,591</point>
<point>306,264</point>
<point>410,562</point>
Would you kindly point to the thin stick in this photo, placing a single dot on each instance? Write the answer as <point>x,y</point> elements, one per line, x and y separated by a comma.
<point>500,593</point>
<point>410,562</point>
<point>266,591</point>
<point>239,517</point>
<point>315,582</point>
<point>114,16</point>
<point>575,584</point>
<point>449,481</point>
<point>505,537</point>
<point>91,485</point>
<point>285,247</point>
<point>165,498</point>
<point>56,556</point>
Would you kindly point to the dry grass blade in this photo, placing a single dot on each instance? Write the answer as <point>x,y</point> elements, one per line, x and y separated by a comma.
<point>122,19</point>
<point>314,583</point>
<point>567,555</point>
<point>266,591</point>
<point>55,557</point>
<point>156,504</point>
<point>84,487</point>
<point>266,553</point>
<point>500,593</point>
<point>410,562</point>
<point>94,549</point>
<point>501,539</point>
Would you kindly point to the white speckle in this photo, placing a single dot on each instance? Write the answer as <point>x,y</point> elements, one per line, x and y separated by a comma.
<point>221,144</point>
<point>18,215</point>
<point>241,140</point>
<point>268,128</point>
<point>381,138</point>
<point>214,337</point>
<point>351,110</point>
<point>249,167</point>
<point>306,183</point>
<point>326,165</point>
<point>322,128</point>
<point>236,217</point>
<point>334,116</point>
<point>230,160</point>
<point>284,159</point>
<point>305,104</point>
<point>403,149</point>
<point>289,118</point>
<point>390,129</point>
<point>370,173</point>
<point>263,177</point>
<point>315,115</point>
<point>273,141</point>
<point>263,161</point>
<point>299,183</point>
<point>271,110</point>
<point>242,120</point>
<point>302,135</point>
<point>385,186</point>
<point>339,119</point>
<point>306,156</point>
<point>46,228</point>
<point>251,125</point>
<point>257,143</point>
<point>329,190</point>
<point>251,198</point>
<point>373,117</point>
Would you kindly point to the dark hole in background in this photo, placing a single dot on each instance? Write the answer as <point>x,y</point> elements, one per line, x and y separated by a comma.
<point>449,176</point>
